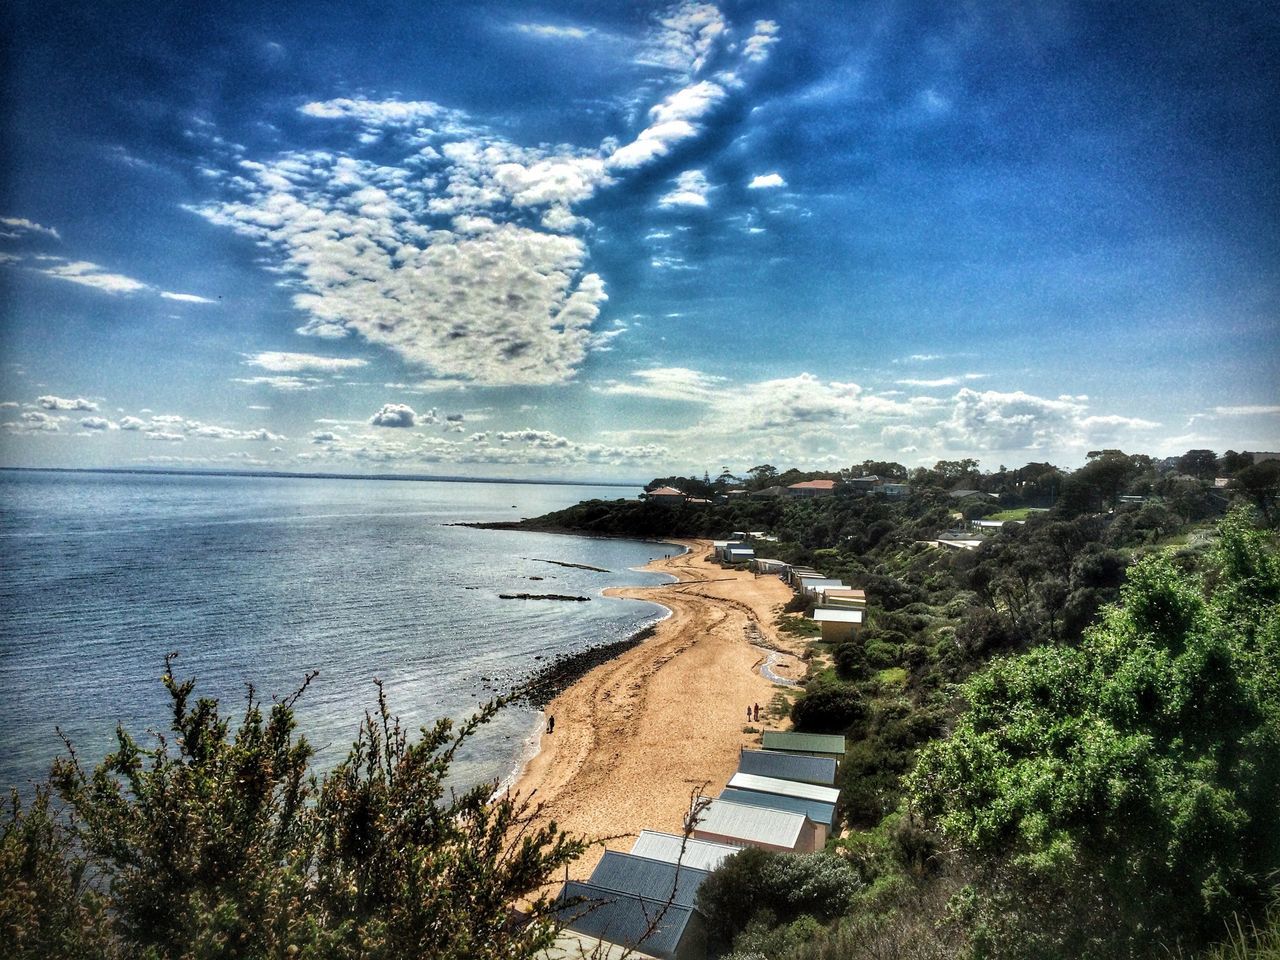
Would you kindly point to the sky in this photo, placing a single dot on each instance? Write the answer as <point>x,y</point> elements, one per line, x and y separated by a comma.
<point>625,240</point>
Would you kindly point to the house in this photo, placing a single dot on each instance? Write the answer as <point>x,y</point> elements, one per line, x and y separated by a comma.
<point>571,945</point>
<point>961,494</point>
<point>686,851</point>
<point>839,624</point>
<point>862,484</point>
<point>823,815</point>
<point>810,586</point>
<point>894,491</point>
<point>785,788</point>
<point>770,492</point>
<point>668,495</point>
<point>648,878</point>
<point>698,500</point>
<point>788,766</point>
<point>739,554</point>
<point>812,488</point>
<point>763,565</point>
<point>842,597</point>
<point>809,744</point>
<point>667,931</point>
<point>958,544</point>
<point>746,825</point>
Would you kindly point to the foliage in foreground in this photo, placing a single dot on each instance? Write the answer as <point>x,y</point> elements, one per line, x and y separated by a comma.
<point>219,843</point>
<point>1120,797</point>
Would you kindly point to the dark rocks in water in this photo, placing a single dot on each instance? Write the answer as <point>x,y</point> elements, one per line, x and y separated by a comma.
<point>541,688</point>
<point>541,596</point>
<point>572,566</point>
<point>535,578</point>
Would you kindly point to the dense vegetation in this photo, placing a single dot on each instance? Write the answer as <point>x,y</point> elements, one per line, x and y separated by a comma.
<point>1063,743</point>
<point>218,843</point>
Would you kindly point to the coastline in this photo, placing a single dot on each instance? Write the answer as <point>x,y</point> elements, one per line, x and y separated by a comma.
<point>639,732</point>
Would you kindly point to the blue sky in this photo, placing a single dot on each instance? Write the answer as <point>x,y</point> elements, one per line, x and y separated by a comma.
<point>622,240</point>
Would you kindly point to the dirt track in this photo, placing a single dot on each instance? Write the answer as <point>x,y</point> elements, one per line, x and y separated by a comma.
<point>636,735</point>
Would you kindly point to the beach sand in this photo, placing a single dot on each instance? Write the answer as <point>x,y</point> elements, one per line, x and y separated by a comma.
<point>635,736</point>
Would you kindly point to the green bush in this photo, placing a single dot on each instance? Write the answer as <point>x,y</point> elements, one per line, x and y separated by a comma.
<point>828,705</point>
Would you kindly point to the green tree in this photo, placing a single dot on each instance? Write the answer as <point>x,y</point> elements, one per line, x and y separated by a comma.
<point>220,843</point>
<point>1138,771</point>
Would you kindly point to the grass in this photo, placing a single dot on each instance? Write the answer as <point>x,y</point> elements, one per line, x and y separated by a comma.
<point>799,626</point>
<point>1021,513</point>
<point>892,677</point>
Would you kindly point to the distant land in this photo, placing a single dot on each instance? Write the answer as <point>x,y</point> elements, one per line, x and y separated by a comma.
<point>419,477</point>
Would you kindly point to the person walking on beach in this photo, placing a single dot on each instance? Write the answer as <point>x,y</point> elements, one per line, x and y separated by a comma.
<point>748,713</point>
<point>757,713</point>
<point>551,724</point>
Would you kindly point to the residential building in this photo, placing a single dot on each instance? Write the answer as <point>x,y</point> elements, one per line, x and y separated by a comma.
<point>812,488</point>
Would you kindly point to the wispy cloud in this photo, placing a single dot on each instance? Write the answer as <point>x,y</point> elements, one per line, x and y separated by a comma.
<point>13,228</point>
<point>91,275</point>
<point>185,297</point>
<point>944,381</point>
<point>283,362</point>
<point>552,31</point>
<point>691,189</point>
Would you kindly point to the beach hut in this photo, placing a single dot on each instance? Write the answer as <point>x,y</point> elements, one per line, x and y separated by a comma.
<point>839,623</point>
<point>746,825</point>
<point>811,744</point>
<point>842,597</point>
<point>648,878</point>
<point>688,852</point>
<point>809,586</point>
<point>739,554</point>
<point>819,813</point>
<point>764,565</point>
<point>571,945</point>
<point>795,573</point>
<point>788,766</point>
<point>785,788</point>
<point>662,930</point>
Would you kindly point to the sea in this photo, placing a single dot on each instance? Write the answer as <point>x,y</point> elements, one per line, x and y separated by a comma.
<point>264,580</point>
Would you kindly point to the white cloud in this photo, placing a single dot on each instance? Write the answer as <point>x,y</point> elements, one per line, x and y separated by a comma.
<point>394,415</point>
<point>684,37</point>
<point>673,120</point>
<point>281,362</point>
<point>91,275</point>
<point>691,189</point>
<point>97,424</point>
<point>185,297</point>
<point>757,46</point>
<point>1256,410</point>
<point>284,384</point>
<point>551,31</point>
<point>34,421</point>
<point>943,381</point>
<point>51,402</point>
<point>375,112</point>
<point>132,423</point>
<point>766,181</point>
<point>15,227</point>
<point>667,383</point>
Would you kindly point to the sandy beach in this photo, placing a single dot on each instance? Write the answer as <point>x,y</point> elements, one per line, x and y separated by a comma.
<point>636,735</point>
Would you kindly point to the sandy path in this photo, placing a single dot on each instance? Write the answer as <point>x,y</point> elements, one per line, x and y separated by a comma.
<point>635,735</point>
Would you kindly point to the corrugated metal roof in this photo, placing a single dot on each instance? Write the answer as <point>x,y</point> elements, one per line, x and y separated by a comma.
<point>751,824</point>
<point>815,810</point>
<point>792,742</point>
<point>646,877</point>
<point>788,766</point>
<point>845,592</point>
<point>623,918</point>
<point>838,615</point>
<point>698,854</point>
<point>810,584</point>
<point>785,788</point>
<point>571,945</point>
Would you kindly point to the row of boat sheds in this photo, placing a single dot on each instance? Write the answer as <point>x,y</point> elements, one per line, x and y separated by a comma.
<point>839,609</point>
<point>643,904</point>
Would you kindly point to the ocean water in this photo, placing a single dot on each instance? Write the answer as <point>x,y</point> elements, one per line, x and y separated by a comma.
<point>261,580</point>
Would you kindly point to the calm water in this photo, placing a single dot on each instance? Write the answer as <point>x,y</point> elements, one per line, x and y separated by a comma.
<point>260,580</point>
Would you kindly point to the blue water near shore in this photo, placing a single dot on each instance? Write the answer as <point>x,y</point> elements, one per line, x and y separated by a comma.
<point>261,580</point>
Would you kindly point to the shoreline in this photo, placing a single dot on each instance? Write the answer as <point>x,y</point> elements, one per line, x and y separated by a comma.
<point>639,732</point>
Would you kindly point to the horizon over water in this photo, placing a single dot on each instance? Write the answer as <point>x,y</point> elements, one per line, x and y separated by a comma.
<point>263,579</point>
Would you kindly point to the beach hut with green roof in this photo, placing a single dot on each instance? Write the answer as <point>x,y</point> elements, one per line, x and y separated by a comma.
<point>810,744</point>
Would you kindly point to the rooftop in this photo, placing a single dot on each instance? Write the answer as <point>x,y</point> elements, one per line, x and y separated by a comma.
<point>697,854</point>
<point>646,877</point>
<point>838,615</point>
<point>813,485</point>
<point>790,741</point>
<point>815,810</point>
<point>623,918</point>
<point>784,788</point>
<point>789,766</point>
<point>751,824</point>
